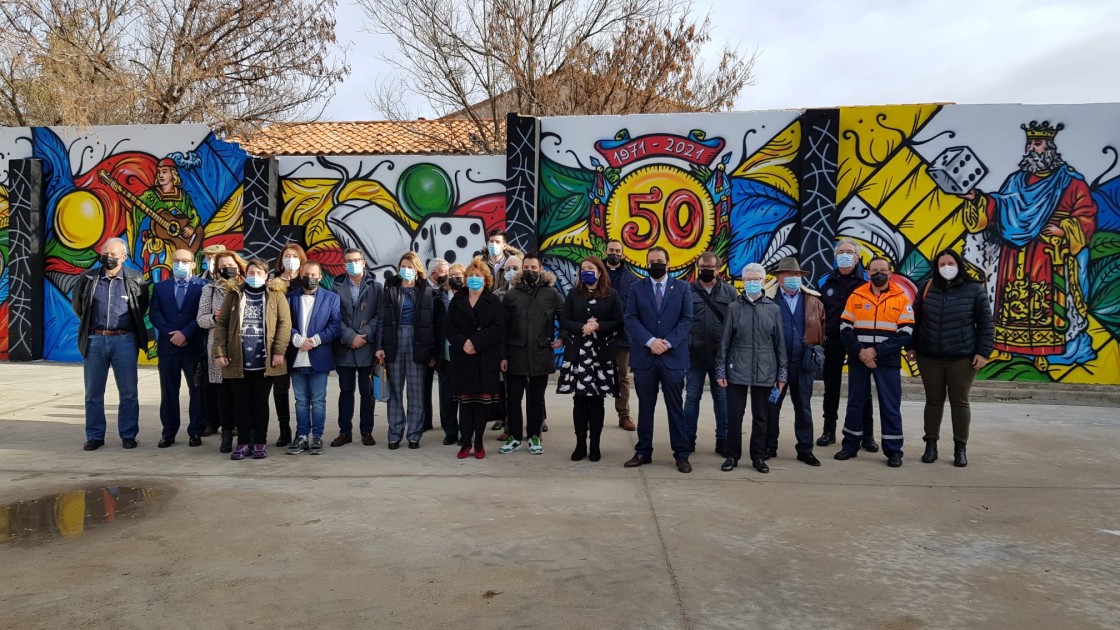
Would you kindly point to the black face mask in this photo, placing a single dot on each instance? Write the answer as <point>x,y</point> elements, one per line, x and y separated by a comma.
<point>228,273</point>
<point>530,277</point>
<point>879,279</point>
<point>309,284</point>
<point>455,282</point>
<point>614,260</point>
<point>707,275</point>
<point>109,262</point>
<point>657,270</point>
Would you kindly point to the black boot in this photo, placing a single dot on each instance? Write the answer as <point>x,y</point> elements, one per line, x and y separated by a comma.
<point>227,442</point>
<point>959,458</point>
<point>596,431</point>
<point>579,419</point>
<point>721,448</point>
<point>930,455</point>
<point>285,433</point>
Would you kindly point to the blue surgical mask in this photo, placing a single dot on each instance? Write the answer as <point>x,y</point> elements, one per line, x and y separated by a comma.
<point>510,274</point>
<point>752,287</point>
<point>408,274</point>
<point>255,282</point>
<point>589,277</point>
<point>845,260</point>
<point>494,249</point>
<point>792,283</point>
<point>475,283</point>
<point>207,264</point>
<point>181,270</point>
<point>355,268</point>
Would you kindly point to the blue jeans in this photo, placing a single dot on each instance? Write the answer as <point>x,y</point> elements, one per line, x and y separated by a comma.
<point>120,353</point>
<point>694,391</point>
<point>311,402</point>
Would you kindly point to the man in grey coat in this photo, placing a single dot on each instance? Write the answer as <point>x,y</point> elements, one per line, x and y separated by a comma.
<point>359,296</point>
<point>751,362</point>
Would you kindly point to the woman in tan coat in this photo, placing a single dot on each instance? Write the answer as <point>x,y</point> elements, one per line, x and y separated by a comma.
<point>253,331</point>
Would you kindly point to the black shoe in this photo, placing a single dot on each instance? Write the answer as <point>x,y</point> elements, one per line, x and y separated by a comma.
<point>394,445</point>
<point>810,459</point>
<point>843,454</point>
<point>593,453</point>
<point>413,445</point>
<point>638,460</point>
<point>580,451</point>
<point>93,445</point>
<point>960,460</point>
<point>129,443</point>
<point>165,442</point>
<point>692,446</point>
<point>760,466</point>
<point>930,455</point>
<point>729,465</point>
<point>721,448</point>
<point>770,452</point>
<point>894,460</point>
<point>826,438</point>
<point>227,442</point>
<point>870,446</point>
<point>448,441</point>
<point>683,466</point>
<point>285,436</point>
<point>194,441</point>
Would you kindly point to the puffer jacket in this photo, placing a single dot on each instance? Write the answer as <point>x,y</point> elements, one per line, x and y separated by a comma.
<point>707,326</point>
<point>277,329</point>
<point>953,320</point>
<point>752,347</point>
<point>531,315</point>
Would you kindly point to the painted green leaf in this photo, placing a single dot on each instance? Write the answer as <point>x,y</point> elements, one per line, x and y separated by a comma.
<point>1104,244</point>
<point>557,217</point>
<point>574,253</point>
<point>916,266</point>
<point>1017,369</point>
<point>79,258</point>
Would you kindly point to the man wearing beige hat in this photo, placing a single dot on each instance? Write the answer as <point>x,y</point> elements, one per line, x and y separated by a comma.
<point>803,333</point>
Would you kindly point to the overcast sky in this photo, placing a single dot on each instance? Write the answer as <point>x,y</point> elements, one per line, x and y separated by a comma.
<point>816,53</point>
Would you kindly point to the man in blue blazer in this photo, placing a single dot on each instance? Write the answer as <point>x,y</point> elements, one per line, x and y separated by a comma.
<point>181,345</point>
<point>316,322</point>
<point>658,322</point>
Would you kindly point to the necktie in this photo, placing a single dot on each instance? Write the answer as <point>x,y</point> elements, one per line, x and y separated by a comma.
<point>658,293</point>
<point>180,292</point>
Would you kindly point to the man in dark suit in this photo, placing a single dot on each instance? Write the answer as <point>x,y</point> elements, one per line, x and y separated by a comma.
<point>180,343</point>
<point>658,321</point>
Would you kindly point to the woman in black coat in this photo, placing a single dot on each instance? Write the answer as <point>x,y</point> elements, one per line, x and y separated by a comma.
<point>953,338</point>
<point>590,321</point>
<point>475,325</point>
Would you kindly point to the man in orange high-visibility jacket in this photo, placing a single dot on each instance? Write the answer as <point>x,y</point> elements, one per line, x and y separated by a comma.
<point>877,322</point>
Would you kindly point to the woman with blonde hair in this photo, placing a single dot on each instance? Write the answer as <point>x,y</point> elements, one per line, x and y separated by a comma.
<point>409,342</point>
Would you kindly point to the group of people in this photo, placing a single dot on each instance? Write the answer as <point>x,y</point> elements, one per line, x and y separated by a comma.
<point>244,331</point>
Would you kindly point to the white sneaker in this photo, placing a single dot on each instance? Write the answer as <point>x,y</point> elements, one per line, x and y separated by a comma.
<point>535,446</point>
<point>511,445</point>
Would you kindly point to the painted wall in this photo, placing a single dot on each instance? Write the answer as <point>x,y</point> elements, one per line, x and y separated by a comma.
<point>15,143</point>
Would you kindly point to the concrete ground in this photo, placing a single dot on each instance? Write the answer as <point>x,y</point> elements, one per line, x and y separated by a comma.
<point>1027,536</point>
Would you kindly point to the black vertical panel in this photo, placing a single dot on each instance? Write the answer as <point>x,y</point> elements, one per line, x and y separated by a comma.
<point>26,230</point>
<point>522,140</point>
<point>260,218</point>
<point>819,154</point>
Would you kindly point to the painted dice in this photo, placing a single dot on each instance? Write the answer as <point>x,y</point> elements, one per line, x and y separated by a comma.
<point>454,239</point>
<point>374,230</point>
<point>957,170</point>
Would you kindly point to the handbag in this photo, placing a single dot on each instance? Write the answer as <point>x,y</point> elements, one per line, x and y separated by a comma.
<point>379,383</point>
<point>813,361</point>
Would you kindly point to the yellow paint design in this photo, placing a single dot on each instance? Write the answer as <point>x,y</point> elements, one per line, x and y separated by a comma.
<point>870,133</point>
<point>578,234</point>
<point>3,207</point>
<point>228,217</point>
<point>770,164</point>
<point>1101,370</point>
<point>308,201</point>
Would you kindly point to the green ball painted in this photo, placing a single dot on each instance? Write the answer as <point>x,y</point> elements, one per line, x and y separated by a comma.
<point>425,189</point>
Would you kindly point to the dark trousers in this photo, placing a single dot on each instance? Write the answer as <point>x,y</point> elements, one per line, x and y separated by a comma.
<point>800,390</point>
<point>211,416</point>
<point>473,417</point>
<point>834,356</point>
<point>172,369</point>
<point>281,385</point>
<point>251,406</point>
<point>760,413</point>
<point>226,405</point>
<point>952,379</point>
<point>429,377</point>
<point>647,383</point>
<point>347,376</point>
<point>448,406</point>
<point>516,388</point>
<point>888,384</point>
<point>588,415</point>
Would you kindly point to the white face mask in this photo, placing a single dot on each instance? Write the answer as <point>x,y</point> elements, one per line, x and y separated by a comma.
<point>948,271</point>
<point>291,264</point>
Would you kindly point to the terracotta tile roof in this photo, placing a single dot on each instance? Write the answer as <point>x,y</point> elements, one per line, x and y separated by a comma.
<point>376,137</point>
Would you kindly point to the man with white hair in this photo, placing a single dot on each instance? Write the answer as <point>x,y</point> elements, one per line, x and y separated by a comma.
<point>437,273</point>
<point>110,302</point>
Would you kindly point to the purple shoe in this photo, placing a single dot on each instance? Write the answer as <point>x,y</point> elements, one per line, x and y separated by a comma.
<point>240,452</point>
<point>260,451</point>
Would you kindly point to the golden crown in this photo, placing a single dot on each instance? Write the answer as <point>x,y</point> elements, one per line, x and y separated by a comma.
<point>1036,130</point>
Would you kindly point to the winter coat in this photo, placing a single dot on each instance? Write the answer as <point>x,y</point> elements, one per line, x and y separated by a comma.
<point>814,313</point>
<point>323,323</point>
<point>531,313</point>
<point>752,349</point>
<point>707,325</point>
<point>358,318</point>
<point>277,329</point>
<point>835,289</point>
<point>621,279</point>
<point>479,374</point>
<point>427,337</point>
<point>209,305</point>
<point>82,302</point>
<point>607,311</point>
<point>952,320</point>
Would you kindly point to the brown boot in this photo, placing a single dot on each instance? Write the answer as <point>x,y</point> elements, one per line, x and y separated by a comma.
<point>342,440</point>
<point>626,424</point>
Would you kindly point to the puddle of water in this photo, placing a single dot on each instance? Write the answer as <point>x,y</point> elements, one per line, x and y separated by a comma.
<point>71,514</point>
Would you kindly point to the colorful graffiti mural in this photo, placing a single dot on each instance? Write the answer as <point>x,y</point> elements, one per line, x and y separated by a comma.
<point>436,206</point>
<point>15,143</point>
<point>159,188</point>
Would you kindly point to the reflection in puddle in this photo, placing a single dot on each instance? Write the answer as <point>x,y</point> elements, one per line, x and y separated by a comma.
<point>70,514</point>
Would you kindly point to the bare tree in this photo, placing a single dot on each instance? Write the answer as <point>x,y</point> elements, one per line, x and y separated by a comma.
<point>231,65</point>
<point>481,59</point>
